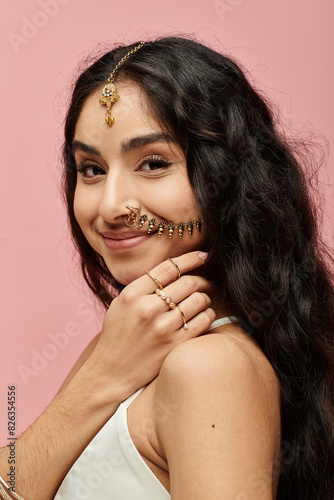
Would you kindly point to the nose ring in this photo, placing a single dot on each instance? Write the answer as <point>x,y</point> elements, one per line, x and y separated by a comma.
<point>134,218</point>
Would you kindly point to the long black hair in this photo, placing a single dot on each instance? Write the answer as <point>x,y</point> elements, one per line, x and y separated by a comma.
<point>265,251</point>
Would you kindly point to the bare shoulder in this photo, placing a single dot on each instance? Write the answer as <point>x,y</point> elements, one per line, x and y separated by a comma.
<point>223,401</point>
<point>213,359</point>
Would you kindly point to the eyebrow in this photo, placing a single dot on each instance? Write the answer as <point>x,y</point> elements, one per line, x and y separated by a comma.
<point>143,140</point>
<point>129,144</point>
<point>85,148</point>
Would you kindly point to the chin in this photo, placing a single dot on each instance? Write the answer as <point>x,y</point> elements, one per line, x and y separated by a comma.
<point>126,278</point>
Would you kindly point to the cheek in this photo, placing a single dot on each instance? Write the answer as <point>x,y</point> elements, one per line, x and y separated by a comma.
<point>176,201</point>
<point>84,207</point>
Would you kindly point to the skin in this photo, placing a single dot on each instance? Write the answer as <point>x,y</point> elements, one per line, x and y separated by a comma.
<point>118,178</point>
<point>127,354</point>
<point>216,387</point>
<point>214,397</point>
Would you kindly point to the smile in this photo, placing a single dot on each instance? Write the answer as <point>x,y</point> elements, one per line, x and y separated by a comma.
<point>122,242</point>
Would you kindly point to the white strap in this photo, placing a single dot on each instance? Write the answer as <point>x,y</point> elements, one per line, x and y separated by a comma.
<point>222,321</point>
<point>128,401</point>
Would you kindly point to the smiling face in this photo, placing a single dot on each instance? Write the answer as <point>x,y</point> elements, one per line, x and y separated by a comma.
<point>131,163</point>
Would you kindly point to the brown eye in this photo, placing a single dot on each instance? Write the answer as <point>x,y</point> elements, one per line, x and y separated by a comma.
<point>90,170</point>
<point>154,163</point>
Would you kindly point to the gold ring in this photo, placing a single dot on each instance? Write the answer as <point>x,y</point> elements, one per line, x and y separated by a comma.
<point>177,267</point>
<point>156,281</point>
<point>164,297</point>
<point>185,326</point>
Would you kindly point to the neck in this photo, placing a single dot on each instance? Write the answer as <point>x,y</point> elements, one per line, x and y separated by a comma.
<point>218,309</point>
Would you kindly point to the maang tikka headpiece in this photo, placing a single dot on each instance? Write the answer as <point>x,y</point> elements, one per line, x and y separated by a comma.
<point>109,92</point>
<point>136,219</point>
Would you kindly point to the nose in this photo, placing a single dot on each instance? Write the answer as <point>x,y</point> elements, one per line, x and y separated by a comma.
<point>117,193</point>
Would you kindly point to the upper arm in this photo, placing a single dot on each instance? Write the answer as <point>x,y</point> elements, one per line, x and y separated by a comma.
<point>220,438</point>
<point>81,361</point>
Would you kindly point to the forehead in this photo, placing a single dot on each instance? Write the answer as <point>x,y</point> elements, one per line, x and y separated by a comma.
<point>132,113</point>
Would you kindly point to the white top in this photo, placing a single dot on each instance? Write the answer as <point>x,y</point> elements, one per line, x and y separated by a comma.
<point>111,468</point>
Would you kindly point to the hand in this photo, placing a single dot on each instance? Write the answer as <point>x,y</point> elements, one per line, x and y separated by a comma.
<point>140,329</point>
<point>138,332</point>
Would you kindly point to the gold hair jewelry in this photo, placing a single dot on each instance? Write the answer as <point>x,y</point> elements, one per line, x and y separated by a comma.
<point>109,91</point>
<point>185,326</point>
<point>177,267</point>
<point>156,281</point>
<point>164,297</point>
<point>136,219</point>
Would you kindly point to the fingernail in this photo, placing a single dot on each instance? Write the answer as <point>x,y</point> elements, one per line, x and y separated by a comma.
<point>203,255</point>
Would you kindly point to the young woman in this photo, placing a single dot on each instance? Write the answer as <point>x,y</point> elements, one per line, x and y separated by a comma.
<point>212,377</point>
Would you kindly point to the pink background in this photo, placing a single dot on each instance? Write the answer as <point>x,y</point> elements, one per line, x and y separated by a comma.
<point>287,47</point>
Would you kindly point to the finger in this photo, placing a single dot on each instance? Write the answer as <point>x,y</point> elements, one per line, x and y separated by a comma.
<point>194,304</point>
<point>166,272</point>
<point>177,315</point>
<point>173,315</point>
<point>197,325</point>
<point>186,285</point>
<point>191,305</point>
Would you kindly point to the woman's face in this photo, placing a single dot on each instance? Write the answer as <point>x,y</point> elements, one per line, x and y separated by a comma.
<point>131,163</point>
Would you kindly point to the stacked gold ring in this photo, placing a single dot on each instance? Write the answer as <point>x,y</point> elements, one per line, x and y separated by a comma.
<point>156,281</point>
<point>185,326</point>
<point>169,301</point>
<point>172,305</point>
<point>177,267</point>
<point>164,297</point>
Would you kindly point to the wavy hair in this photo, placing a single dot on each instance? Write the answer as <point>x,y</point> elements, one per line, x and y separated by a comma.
<point>265,252</point>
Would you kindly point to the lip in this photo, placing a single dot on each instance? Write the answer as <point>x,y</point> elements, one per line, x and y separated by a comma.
<point>122,235</point>
<point>120,241</point>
